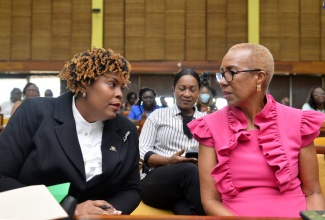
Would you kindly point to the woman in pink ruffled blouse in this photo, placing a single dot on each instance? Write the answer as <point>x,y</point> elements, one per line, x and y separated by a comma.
<point>257,156</point>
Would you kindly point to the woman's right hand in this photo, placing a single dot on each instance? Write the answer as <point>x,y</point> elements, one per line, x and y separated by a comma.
<point>96,207</point>
<point>178,158</point>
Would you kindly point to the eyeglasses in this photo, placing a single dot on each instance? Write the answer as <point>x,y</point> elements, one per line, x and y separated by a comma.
<point>147,97</point>
<point>229,74</point>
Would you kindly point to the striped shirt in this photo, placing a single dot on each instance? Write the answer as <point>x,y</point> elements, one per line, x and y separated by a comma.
<point>163,134</point>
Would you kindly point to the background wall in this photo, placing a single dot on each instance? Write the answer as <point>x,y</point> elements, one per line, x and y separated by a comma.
<point>167,30</point>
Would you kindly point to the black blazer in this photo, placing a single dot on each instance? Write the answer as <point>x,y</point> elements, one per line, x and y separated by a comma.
<point>40,146</point>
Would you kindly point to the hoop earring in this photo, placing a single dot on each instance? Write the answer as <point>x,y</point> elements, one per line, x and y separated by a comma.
<point>258,87</point>
<point>84,95</point>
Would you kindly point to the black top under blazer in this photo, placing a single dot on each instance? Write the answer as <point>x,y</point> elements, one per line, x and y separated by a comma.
<point>40,146</point>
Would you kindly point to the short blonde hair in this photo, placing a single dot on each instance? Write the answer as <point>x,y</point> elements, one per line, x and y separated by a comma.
<point>260,58</point>
<point>84,68</point>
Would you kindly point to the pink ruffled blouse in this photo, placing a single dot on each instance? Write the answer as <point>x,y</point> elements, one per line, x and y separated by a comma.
<point>257,170</point>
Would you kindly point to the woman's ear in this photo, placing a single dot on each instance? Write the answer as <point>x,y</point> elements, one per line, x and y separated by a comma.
<point>261,77</point>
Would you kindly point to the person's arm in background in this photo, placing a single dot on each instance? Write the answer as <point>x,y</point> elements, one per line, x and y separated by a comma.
<point>308,173</point>
<point>147,143</point>
<point>210,197</point>
<point>133,115</point>
<point>16,105</point>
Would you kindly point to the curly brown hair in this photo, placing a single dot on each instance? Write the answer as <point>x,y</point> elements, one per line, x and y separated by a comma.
<point>84,68</point>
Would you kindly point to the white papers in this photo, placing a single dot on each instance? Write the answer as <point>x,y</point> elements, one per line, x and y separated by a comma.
<point>30,202</point>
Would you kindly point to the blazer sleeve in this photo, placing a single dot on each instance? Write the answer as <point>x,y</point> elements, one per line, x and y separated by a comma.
<point>16,144</point>
<point>128,197</point>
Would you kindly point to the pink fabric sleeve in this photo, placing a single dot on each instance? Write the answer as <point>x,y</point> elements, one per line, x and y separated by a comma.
<point>201,132</point>
<point>311,121</point>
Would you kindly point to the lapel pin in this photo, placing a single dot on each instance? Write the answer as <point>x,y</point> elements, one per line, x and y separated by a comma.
<point>112,148</point>
<point>126,136</point>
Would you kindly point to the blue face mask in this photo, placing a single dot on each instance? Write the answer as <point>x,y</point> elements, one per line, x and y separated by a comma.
<point>205,97</point>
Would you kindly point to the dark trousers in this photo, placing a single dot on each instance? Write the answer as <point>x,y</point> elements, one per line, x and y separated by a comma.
<point>174,187</point>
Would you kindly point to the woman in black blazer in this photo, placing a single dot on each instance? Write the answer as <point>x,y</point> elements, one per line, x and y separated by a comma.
<point>78,138</point>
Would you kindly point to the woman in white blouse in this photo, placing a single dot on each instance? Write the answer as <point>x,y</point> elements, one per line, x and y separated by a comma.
<point>169,179</point>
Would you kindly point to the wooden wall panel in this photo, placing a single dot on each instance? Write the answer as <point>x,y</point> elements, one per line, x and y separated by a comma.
<point>322,34</point>
<point>41,30</point>
<point>216,29</point>
<point>61,30</point>
<point>195,46</point>
<point>21,30</point>
<point>289,48</point>
<point>134,29</point>
<point>309,30</point>
<point>175,30</point>
<point>289,30</point>
<point>5,27</point>
<point>269,26</point>
<point>269,6</point>
<point>114,25</point>
<point>81,26</point>
<point>273,44</point>
<point>154,47</point>
<point>237,20</point>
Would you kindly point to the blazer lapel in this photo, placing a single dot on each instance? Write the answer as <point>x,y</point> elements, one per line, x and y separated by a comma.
<point>111,145</point>
<point>66,131</point>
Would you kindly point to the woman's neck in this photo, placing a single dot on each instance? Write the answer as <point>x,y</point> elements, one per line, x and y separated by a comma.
<point>189,112</point>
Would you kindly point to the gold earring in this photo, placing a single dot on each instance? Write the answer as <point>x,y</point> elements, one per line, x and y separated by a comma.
<point>258,87</point>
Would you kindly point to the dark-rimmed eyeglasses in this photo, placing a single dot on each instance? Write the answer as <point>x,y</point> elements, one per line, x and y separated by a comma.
<point>229,74</point>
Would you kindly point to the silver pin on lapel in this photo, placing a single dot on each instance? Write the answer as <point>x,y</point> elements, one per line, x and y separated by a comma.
<point>112,148</point>
<point>126,136</point>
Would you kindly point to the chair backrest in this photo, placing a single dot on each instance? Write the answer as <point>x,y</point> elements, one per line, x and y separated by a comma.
<point>322,130</point>
<point>1,119</point>
<point>319,141</point>
<point>321,170</point>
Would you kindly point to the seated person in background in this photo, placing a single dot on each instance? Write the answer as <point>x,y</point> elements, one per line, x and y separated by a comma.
<point>48,93</point>
<point>163,102</point>
<point>145,105</point>
<point>6,107</point>
<point>257,156</point>
<point>30,91</point>
<point>285,101</point>
<point>78,138</point>
<point>205,101</point>
<point>315,100</point>
<point>131,98</point>
<point>171,181</point>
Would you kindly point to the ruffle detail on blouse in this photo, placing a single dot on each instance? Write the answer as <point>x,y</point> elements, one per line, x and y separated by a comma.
<point>221,172</point>
<point>311,121</point>
<point>201,132</point>
<point>272,147</point>
<point>269,139</point>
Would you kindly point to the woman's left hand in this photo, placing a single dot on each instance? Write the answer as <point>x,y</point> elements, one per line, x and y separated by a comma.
<point>178,158</point>
<point>96,207</point>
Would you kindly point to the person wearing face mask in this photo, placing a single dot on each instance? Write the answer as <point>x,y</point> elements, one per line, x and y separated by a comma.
<point>205,101</point>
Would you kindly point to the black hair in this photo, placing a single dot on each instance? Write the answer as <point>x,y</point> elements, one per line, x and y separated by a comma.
<point>143,90</point>
<point>310,98</point>
<point>13,93</point>
<point>186,72</point>
<point>28,85</point>
<point>130,94</point>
